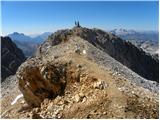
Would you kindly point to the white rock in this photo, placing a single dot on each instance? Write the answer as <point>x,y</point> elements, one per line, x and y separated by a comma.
<point>22,102</point>
<point>77,98</point>
<point>84,52</point>
<point>27,83</point>
<point>84,100</point>
<point>120,89</point>
<point>42,69</point>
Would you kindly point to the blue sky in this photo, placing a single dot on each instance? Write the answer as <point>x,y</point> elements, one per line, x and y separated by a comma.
<point>37,17</point>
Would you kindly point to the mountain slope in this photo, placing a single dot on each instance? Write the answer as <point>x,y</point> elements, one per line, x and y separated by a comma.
<point>12,57</point>
<point>28,47</point>
<point>28,44</point>
<point>24,42</point>
<point>26,38</point>
<point>147,40</point>
<point>139,35</point>
<point>125,52</point>
<point>42,37</point>
<point>71,78</point>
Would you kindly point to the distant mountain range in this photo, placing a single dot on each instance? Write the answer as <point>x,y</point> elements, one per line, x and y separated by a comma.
<point>36,39</point>
<point>28,43</point>
<point>133,34</point>
<point>42,37</point>
<point>122,31</point>
<point>147,40</point>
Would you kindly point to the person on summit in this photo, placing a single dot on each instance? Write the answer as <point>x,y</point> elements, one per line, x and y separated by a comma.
<point>77,24</point>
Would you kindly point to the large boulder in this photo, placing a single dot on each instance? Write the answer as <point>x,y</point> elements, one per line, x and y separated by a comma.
<point>38,80</point>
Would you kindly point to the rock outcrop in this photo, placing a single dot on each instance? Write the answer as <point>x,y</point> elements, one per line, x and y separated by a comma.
<point>11,57</point>
<point>38,81</point>
<point>129,55</point>
<point>126,53</point>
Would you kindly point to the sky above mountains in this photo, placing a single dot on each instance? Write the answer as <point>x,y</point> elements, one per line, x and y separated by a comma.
<point>37,17</point>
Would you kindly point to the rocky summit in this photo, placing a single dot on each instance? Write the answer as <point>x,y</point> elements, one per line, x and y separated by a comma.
<point>85,73</point>
<point>126,53</point>
<point>11,57</point>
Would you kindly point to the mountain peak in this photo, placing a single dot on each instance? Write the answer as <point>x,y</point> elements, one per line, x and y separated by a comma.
<point>123,31</point>
<point>114,46</point>
<point>17,33</point>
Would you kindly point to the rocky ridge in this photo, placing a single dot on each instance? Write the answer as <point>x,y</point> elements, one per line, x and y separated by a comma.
<point>71,78</point>
<point>126,53</point>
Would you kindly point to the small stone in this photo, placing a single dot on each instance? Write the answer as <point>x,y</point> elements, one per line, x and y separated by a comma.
<point>50,106</point>
<point>58,99</point>
<point>84,52</point>
<point>104,113</point>
<point>81,95</point>
<point>100,85</point>
<point>27,83</point>
<point>22,102</point>
<point>121,89</point>
<point>133,92</point>
<point>59,115</point>
<point>60,102</point>
<point>84,100</point>
<point>77,98</point>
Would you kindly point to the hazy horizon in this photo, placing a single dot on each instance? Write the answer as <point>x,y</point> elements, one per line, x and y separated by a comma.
<point>35,17</point>
<point>36,34</point>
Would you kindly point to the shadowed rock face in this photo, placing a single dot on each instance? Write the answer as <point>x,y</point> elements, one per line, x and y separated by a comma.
<point>12,57</point>
<point>129,55</point>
